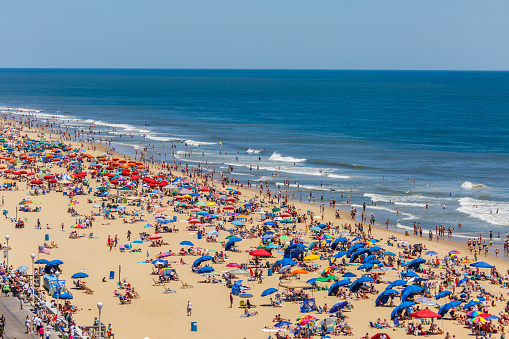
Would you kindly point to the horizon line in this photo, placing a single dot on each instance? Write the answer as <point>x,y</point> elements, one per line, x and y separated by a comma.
<point>253,69</point>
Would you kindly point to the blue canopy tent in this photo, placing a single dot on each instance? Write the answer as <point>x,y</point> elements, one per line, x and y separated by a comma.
<point>481,264</point>
<point>293,251</point>
<point>444,309</point>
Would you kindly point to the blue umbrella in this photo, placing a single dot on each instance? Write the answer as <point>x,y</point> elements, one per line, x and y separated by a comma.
<point>409,291</point>
<point>409,275</point>
<point>315,229</point>
<point>349,275</point>
<point>270,223</point>
<point>472,303</point>
<point>443,310</point>
<point>389,253</point>
<point>375,248</point>
<point>338,306</point>
<point>79,275</point>
<point>63,296</point>
<point>462,281</point>
<point>401,307</point>
<point>431,253</point>
<point>42,261</point>
<point>206,269</point>
<point>55,262</point>
<point>235,239</point>
<point>186,243</point>
<point>237,223</point>
<point>267,236</point>
<point>159,262</point>
<point>395,283</point>
<point>137,242</point>
<point>311,281</point>
<point>269,291</point>
<point>340,254</point>
<point>282,324</point>
<point>443,294</point>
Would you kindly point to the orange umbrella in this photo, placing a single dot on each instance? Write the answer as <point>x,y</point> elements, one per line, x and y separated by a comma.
<point>300,271</point>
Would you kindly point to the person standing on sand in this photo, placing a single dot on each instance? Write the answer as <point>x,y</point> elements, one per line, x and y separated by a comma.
<point>231,300</point>
<point>189,308</point>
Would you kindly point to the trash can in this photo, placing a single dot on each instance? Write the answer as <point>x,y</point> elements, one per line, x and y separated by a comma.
<point>199,235</point>
<point>46,237</point>
<point>270,272</point>
<point>194,326</point>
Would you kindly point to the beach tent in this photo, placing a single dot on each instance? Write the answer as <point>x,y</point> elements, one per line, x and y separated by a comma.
<point>236,287</point>
<point>308,305</point>
<point>481,264</point>
<point>444,309</point>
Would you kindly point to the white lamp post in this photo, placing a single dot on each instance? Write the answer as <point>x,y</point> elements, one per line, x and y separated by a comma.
<point>57,274</point>
<point>33,277</point>
<point>100,306</point>
<point>7,237</point>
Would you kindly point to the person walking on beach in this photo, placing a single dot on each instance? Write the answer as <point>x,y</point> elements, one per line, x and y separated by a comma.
<point>231,300</point>
<point>189,308</point>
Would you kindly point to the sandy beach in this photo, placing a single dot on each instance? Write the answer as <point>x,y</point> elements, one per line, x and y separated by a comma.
<point>155,314</point>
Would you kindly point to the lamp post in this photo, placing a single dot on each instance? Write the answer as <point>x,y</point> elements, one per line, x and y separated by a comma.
<point>57,274</point>
<point>100,306</point>
<point>33,277</point>
<point>7,237</point>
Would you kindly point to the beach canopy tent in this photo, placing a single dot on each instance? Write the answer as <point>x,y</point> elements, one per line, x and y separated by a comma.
<point>334,287</point>
<point>338,306</point>
<point>409,291</point>
<point>443,294</point>
<point>358,253</point>
<point>295,283</point>
<point>401,307</point>
<point>384,297</point>
<point>294,251</point>
<point>481,264</point>
<point>445,308</point>
<point>308,305</point>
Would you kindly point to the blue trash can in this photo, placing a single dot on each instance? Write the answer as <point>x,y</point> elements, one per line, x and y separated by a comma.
<point>199,235</point>
<point>46,237</point>
<point>270,272</point>
<point>194,326</point>
<point>112,274</point>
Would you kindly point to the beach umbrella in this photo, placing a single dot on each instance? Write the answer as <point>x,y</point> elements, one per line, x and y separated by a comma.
<point>462,281</point>
<point>454,252</point>
<point>79,275</point>
<point>311,257</point>
<point>260,253</point>
<point>246,295</point>
<point>340,254</point>
<point>410,290</point>
<point>21,269</point>
<point>443,294</point>
<point>445,308</point>
<point>164,255</point>
<point>55,262</point>
<point>283,324</point>
<point>422,300</point>
<point>389,253</point>
<point>338,306</point>
<point>237,223</point>
<point>137,242</point>
<point>378,335</point>
<point>471,303</point>
<point>63,296</point>
<point>233,265</point>
<point>238,272</point>
<point>431,253</point>
<point>155,237</point>
<point>349,275</point>
<point>268,291</point>
<point>395,283</point>
<point>41,261</point>
<point>159,262</point>
<point>206,269</point>
<point>299,271</point>
<point>425,313</point>
<point>186,243</point>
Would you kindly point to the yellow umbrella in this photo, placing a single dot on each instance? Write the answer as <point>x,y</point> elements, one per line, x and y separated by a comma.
<point>187,196</point>
<point>311,257</point>
<point>210,204</point>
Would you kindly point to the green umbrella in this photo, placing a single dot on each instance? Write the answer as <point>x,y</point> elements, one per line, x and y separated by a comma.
<point>276,210</point>
<point>322,279</point>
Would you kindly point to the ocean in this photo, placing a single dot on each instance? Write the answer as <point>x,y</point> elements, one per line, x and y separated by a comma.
<point>400,139</point>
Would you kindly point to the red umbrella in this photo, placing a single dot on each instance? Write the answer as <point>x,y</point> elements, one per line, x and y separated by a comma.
<point>114,182</point>
<point>23,172</point>
<point>233,265</point>
<point>378,335</point>
<point>48,177</point>
<point>36,182</point>
<point>53,181</point>
<point>135,177</point>
<point>260,253</point>
<point>229,207</point>
<point>7,171</point>
<point>155,237</point>
<point>204,189</point>
<point>425,314</point>
<point>230,199</point>
<point>285,215</point>
<point>30,173</point>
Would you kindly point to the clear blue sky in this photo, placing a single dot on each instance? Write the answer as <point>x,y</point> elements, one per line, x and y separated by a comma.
<point>328,34</point>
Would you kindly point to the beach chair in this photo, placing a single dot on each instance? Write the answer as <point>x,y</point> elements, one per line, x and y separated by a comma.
<point>128,247</point>
<point>121,248</point>
<point>184,285</point>
<point>91,235</point>
<point>169,290</point>
<point>157,282</point>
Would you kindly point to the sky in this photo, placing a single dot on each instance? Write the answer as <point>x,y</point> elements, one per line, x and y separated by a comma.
<point>276,34</point>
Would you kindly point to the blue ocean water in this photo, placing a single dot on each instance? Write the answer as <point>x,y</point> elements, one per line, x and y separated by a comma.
<point>398,138</point>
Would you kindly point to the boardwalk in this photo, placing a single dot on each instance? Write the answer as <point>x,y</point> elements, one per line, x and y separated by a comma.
<point>15,319</point>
